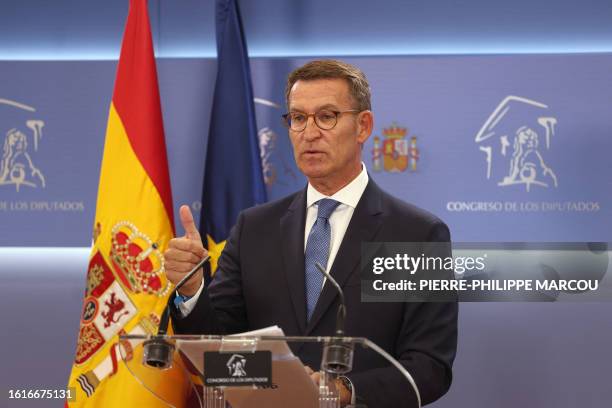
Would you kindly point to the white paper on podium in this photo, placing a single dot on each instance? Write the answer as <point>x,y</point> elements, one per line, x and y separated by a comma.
<point>290,382</point>
<point>194,349</point>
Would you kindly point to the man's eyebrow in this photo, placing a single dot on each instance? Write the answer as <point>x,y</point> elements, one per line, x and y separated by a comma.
<point>327,106</point>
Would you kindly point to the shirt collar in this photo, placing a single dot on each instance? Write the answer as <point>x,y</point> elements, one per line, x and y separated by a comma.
<point>349,194</point>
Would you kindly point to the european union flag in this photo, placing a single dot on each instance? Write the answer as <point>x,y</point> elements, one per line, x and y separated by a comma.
<point>233,178</point>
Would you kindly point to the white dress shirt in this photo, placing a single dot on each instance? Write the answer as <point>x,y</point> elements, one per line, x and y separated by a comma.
<point>348,197</point>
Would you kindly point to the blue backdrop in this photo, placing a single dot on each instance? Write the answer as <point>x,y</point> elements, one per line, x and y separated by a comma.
<point>503,148</point>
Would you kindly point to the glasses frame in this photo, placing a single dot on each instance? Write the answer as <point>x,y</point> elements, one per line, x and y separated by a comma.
<point>314,118</point>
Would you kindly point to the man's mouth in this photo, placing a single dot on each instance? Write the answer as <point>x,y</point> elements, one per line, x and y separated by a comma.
<point>311,152</point>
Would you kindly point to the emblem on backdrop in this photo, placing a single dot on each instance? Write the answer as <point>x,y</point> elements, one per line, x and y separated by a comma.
<point>394,153</point>
<point>21,136</point>
<point>515,141</point>
<point>276,168</point>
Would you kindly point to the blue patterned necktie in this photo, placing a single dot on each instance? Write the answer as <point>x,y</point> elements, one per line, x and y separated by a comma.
<point>317,251</point>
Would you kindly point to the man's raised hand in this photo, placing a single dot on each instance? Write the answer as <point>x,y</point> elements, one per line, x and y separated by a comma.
<point>184,253</point>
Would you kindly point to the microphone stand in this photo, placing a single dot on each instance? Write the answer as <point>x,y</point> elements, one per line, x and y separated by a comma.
<point>157,350</point>
<point>337,355</point>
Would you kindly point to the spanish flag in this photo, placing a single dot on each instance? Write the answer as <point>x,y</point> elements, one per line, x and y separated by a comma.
<point>126,289</point>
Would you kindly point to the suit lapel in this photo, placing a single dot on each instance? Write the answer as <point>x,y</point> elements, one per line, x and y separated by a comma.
<point>292,247</point>
<point>364,224</point>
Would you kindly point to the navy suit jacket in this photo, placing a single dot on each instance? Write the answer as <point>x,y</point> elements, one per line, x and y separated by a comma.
<point>260,282</point>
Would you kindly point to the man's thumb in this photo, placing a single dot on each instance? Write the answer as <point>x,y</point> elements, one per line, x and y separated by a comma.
<point>191,231</point>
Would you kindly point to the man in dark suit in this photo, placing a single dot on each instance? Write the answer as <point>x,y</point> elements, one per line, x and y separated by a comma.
<point>266,273</point>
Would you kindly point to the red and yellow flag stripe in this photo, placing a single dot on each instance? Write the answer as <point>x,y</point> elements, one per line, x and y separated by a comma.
<point>126,288</point>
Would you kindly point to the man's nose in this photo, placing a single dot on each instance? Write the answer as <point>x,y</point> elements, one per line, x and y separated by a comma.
<point>311,131</point>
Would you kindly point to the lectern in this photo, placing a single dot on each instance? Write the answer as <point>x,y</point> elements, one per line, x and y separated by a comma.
<point>243,371</point>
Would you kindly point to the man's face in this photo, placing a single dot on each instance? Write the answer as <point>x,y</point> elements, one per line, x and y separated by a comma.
<point>332,155</point>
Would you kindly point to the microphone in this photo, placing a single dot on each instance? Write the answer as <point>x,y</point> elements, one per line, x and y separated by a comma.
<point>337,355</point>
<point>341,315</point>
<point>158,351</point>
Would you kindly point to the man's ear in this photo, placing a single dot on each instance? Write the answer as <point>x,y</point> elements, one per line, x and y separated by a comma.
<point>365,124</point>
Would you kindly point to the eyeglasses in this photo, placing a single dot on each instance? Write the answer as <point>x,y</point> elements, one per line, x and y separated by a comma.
<point>325,119</point>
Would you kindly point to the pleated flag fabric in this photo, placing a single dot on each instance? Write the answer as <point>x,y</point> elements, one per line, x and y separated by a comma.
<point>126,288</point>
